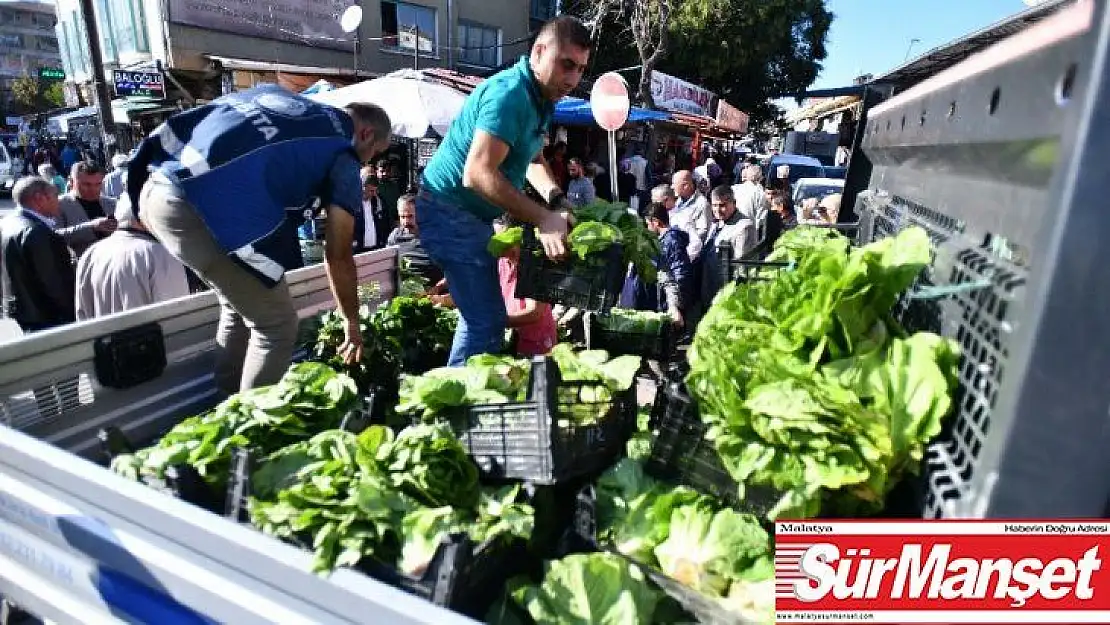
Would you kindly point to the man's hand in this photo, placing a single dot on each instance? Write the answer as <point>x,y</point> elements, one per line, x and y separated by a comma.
<point>104,225</point>
<point>553,234</point>
<point>351,349</point>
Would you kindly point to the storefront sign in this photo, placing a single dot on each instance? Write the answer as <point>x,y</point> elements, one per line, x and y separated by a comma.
<point>731,118</point>
<point>128,83</point>
<point>311,22</point>
<point>674,94</point>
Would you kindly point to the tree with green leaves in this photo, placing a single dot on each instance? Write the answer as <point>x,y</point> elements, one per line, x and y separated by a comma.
<point>746,51</point>
<point>32,95</point>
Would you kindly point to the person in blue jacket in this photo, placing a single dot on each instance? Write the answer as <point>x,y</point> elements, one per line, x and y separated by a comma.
<point>478,173</point>
<point>675,275</point>
<point>220,186</point>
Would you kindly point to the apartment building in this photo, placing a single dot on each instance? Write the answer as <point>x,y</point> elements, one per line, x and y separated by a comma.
<point>223,45</point>
<point>27,42</point>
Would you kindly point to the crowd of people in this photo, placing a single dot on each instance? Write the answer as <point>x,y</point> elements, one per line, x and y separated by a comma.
<point>71,251</point>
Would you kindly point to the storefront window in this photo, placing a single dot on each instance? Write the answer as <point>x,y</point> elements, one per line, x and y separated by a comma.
<point>129,24</point>
<point>108,32</point>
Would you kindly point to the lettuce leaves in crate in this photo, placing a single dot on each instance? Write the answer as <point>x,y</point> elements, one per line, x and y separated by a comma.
<point>807,383</point>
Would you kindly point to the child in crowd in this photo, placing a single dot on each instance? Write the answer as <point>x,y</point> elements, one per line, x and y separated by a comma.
<point>532,322</point>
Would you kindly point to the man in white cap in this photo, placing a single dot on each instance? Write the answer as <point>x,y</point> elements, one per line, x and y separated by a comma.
<point>116,180</point>
<point>126,270</point>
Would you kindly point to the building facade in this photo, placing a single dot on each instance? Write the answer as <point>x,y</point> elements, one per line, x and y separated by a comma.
<point>239,43</point>
<point>27,43</point>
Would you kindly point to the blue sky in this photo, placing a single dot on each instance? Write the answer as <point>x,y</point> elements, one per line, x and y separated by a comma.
<point>871,36</point>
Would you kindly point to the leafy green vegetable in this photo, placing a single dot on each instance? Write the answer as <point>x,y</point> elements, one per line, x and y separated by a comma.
<point>687,536</point>
<point>805,380</point>
<point>634,321</point>
<point>404,335</point>
<point>640,246</point>
<point>599,225</point>
<point>590,589</point>
<point>392,498</point>
<point>592,237</point>
<point>634,511</point>
<point>639,445</point>
<point>309,398</point>
<point>707,550</point>
<point>488,379</point>
<point>428,463</point>
<point>505,240</point>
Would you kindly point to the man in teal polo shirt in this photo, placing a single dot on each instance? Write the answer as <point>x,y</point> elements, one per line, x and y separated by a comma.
<point>478,173</point>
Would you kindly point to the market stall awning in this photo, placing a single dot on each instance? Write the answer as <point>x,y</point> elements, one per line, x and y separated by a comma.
<point>576,112</point>
<point>414,104</point>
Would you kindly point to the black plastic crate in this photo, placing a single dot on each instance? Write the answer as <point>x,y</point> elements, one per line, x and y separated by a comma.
<point>181,481</point>
<point>462,576</point>
<point>593,284</point>
<point>535,439</point>
<point>660,346</point>
<point>681,453</point>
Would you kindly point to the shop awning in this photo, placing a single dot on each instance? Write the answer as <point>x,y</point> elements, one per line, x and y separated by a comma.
<point>124,110</point>
<point>576,112</point>
<point>59,124</point>
<point>269,66</point>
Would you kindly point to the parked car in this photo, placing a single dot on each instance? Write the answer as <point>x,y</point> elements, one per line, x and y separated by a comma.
<point>836,172</point>
<point>800,167</point>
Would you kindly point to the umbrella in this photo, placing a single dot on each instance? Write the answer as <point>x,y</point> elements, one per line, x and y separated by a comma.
<point>414,104</point>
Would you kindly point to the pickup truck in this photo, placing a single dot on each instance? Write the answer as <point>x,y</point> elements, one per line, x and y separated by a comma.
<point>1000,158</point>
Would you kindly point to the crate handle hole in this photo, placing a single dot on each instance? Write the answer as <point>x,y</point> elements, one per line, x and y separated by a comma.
<point>1066,85</point>
<point>951,109</point>
<point>996,97</point>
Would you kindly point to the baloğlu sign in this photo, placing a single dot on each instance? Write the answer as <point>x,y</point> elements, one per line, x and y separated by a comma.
<point>311,22</point>
<point>139,83</point>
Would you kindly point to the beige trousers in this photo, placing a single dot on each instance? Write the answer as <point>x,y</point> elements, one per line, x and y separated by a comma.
<point>258,324</point>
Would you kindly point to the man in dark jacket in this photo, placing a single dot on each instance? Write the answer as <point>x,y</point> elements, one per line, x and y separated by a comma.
<point>38,275</point>
<point>371,223</point>
<point>38,272</point>
<point>676,273</point>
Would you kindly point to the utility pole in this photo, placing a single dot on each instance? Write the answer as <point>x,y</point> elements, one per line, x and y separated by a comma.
<point>416,50</point>
<point>100,85</point>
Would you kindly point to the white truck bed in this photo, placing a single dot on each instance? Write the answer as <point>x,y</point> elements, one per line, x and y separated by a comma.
<point>79,544</point>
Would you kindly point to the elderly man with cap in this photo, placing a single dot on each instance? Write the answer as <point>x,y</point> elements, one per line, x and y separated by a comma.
<point>115,182</point>
<point>126,270</point>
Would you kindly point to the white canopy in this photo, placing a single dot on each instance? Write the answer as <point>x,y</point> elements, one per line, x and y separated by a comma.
<point>414,103</point>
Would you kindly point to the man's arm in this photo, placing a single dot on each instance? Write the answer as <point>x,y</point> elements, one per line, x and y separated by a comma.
<point>81,231</point>
<point>339,261</point>
<point>542,179</point>
<point>482,175</point>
